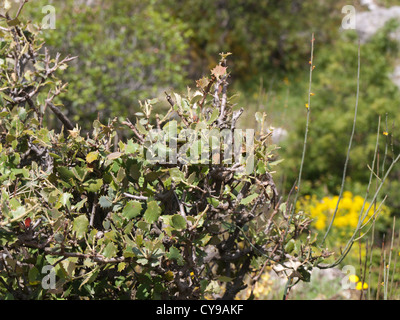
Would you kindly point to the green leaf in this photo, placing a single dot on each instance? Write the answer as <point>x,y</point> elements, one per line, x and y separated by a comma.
<point>178,222</point>
<point>92,156</point>
<point>141,128</point>
<point>152,213</point>
<point>105,202</point>
<point>20,211</point>
<point>64,199</point>
<point>65,173</point>
<point>214,116</point>
<point>110,250</point>
<point>131,147</point>
<point>225,278</point>
<point>132,209</point>
<point>249,199</point>
<point>80,226</point>
<point>176,174</point>
<point>174,254</point>
<point>32,275</point>
<point>13,22</point>
<point>214,202</point>
<point>93,185</point>
<point>289,246</point>
<point>121,174</point>
<point>275,163</point>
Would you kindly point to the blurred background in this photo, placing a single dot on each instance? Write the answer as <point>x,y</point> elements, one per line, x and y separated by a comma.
<point>130,50</point>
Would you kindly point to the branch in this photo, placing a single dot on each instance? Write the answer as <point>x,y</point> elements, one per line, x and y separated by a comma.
<point>66,122</point>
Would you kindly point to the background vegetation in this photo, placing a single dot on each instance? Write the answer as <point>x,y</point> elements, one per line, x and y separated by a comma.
<point>132,50</point>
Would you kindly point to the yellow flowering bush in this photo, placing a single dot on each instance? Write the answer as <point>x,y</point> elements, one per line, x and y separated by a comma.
<point>347,216</point>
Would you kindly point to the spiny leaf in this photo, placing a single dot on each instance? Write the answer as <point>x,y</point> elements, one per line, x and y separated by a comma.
<point>202,83</point>
<point>178,222</point>
<point>132,209</point>
<point>80,226</point>
<point>105,202</point>
<point>93,185</point>
<point>152,213</point>
<point>110,250</point>
<point>92,156</point>
<point>218,71</point>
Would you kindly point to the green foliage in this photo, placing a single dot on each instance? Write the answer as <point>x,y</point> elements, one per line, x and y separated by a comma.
<point>127,51</point>
<point>263,35</point>
<point>116,224</point>
<point>334,85</point>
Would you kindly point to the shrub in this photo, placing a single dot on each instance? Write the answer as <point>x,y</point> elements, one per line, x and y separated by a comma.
<point>112,219</point>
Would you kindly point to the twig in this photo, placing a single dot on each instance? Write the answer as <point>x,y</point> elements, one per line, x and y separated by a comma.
<point>132,196</point>
<point>94,206</point>
<point>66,122</point>
<point>235,117</point>
<point>128,123</point>
<point>304,145</point>
<point>350,143</point>
<point>20,8</point>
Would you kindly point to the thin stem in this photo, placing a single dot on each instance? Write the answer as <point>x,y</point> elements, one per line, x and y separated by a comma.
<point>386,146</point>
<point>304,144</point>
<point>350,143</point>
<point>362,217</point>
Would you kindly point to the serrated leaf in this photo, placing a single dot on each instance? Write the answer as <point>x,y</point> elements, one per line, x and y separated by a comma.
<point>64,199</point>
<point>80,226</point>
<point>92,156</point>
<point>90,277</point>
<point>174,254</point>
<point>152,213</point>
<point>131,147</point>
<point>218,71</point>
<point>178,222</point>
<point>104,202</point>
<point>93,185</point>
<point>176,174</point>
<point>141,128</point>
<point>65,173</point>
<point>110,250</point>
<point>132,209</point>
<point>121,266</point>
<point>202,83</point>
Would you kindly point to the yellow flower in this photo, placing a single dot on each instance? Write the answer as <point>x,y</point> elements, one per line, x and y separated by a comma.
<point>360,286</point>
<point>385,133</point>
<point>320,224</point>
<point>307,106</point>
<point>353,278</point>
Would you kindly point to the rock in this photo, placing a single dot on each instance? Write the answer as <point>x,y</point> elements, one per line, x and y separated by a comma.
<point>369,22</point>
<point>395,76</point>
